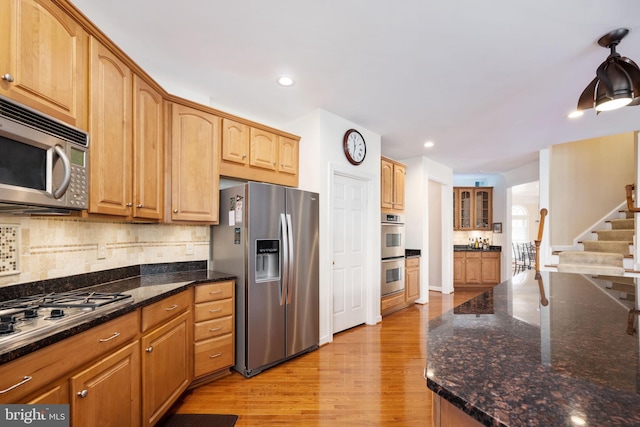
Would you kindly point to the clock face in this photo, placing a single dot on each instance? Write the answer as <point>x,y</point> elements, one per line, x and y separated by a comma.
<point>354,147</point>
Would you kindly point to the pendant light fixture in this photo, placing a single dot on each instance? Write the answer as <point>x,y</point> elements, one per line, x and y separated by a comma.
<point>617,81</point>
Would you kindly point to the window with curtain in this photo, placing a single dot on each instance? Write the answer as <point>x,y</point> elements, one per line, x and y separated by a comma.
<point>519,224</point>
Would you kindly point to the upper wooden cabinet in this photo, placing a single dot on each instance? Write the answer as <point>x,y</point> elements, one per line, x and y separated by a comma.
<point>43,58</point>
<point>127,140</point>
<point>195,144</point>
<point>148,151</point>
<point>111,133</point>
<point>392,176</point>
<point>472,208</point>
<point>256,154</point>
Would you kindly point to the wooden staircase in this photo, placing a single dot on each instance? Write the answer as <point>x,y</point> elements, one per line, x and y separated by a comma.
<point>609,252</point>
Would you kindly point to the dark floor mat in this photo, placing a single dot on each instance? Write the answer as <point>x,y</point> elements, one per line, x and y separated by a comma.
<point>199,420</point>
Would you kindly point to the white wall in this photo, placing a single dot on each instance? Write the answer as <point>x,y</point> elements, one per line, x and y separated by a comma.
<point>321,155</point>
<point>418,204</point>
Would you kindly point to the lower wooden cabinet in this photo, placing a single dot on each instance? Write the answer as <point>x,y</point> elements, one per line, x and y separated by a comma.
<point>412,279</point>
<point>166,361</point>
<point>130,370</point>
<point>476,268</point>
<point>108,390</point>
<point>213,347</point>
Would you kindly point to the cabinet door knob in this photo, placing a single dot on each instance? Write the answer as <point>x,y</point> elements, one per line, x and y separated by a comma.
<point>129,204</point>
<point>149,349</point>
<point>138,206</point>
<point>7,78</point>
<point>175,211</point>
<point>83,393</point>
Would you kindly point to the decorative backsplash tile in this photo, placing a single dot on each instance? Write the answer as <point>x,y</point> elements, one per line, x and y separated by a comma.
<point>9,250</point>
<point>52,247</point>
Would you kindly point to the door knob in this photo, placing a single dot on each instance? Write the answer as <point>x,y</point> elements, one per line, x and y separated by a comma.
<point>7,77</point>
<point>83,393</point>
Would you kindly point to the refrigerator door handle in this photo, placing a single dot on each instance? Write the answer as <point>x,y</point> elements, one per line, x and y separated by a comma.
<point>285,258</point>
<point>290,260</point>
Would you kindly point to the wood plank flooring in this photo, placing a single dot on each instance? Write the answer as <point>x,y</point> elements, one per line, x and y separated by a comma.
<point>368,376</point>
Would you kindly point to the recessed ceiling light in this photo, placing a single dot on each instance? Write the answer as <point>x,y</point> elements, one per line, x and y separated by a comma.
<point>285,81</point>
<point>429,144</point>
<point>574,114</point>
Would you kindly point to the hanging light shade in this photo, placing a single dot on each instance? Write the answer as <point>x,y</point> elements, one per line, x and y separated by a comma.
<point>617,81</point>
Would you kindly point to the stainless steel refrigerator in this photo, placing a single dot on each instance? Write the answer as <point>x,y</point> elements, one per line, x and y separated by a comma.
<point>268,238</point>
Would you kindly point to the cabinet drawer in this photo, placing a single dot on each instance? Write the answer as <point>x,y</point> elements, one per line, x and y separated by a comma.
<point>214,291</point>
<point>213,328</point>
<point>213,309</point>
<point>490,254</point>
<point>164,310</point>
<point>412,262</point>
<point>47,364</point>
<point>391,301</point>
<point>212,355</point>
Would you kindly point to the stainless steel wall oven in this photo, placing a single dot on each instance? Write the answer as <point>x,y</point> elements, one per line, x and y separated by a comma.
<point>393,254</point>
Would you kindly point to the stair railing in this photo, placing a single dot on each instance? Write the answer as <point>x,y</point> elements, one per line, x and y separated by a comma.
<point>630,207</point>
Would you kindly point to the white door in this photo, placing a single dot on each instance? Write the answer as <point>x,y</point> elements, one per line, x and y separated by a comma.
<point>349,247</point>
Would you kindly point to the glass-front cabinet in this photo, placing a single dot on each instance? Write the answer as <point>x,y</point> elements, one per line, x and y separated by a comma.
<point>472,208</point>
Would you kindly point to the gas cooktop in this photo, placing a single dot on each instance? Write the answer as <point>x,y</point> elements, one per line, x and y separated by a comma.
<point>30,316</point>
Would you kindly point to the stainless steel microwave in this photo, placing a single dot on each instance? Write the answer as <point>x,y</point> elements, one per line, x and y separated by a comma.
<point>44,162</point>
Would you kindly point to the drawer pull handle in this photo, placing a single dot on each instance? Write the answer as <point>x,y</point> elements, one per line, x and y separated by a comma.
<point>115,335</point>
<point>215,329</point>
<point>26,379</point>
<point>219,291</point>
<point>83,393</point>
<point>215,310</point>
<point>173,307</point>
<point>213,356</point>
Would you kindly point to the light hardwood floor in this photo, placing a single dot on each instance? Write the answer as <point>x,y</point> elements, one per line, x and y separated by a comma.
<point>368,376</point>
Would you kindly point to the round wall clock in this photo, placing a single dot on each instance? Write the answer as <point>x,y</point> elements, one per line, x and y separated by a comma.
<point>354,147</point>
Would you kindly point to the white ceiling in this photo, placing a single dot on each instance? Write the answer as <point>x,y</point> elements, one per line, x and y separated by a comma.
<point>490,82</point>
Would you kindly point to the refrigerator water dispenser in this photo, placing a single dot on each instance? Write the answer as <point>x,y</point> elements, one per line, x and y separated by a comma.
<point>267,260</point>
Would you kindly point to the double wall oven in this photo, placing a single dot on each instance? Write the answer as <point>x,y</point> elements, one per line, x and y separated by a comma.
<point>393,253</point>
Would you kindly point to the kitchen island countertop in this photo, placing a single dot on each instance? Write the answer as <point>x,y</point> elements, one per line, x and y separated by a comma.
<point>145,289</point>
<point>508,359</point>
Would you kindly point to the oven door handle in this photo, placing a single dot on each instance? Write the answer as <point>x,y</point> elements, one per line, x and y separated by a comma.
<point>67,172</point>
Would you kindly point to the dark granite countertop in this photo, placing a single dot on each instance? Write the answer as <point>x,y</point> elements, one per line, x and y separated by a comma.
<point>411,253</point>
<point>145,288</point>
<point>466,248</point>
<point>506,359</point>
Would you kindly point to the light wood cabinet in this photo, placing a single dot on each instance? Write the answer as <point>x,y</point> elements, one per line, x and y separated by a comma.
<point>166,361</point>
<point>148,151</point>
<point>412,279</point>
<point>213,328</point>
<point>109,390</point>
<point>127,140</point>
<point>392,188</point>
<point>195,171</point>
<point>43,58</point>
<point>472,208</point>
<point>235,142</point>
<point>476,268</point>
<point>110,129</point>
<point>256,154</point>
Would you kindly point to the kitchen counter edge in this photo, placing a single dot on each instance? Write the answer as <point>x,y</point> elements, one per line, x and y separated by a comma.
<point>144,290</point>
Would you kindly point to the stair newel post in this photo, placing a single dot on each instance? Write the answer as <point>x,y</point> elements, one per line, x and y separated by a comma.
<point>538,241</point>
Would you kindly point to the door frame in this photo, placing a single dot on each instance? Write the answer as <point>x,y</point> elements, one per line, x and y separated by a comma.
<point>372,245</point>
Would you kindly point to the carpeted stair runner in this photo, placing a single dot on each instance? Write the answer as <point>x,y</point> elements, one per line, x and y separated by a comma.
<point>605,255</point>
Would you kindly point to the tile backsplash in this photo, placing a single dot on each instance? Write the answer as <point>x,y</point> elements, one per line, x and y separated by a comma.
<point>47,247</point>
